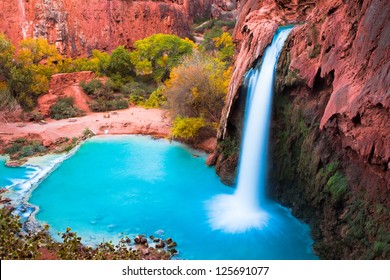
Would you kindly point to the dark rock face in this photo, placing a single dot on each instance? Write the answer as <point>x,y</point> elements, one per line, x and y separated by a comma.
<point>331,129</point>
<point>78,27</point>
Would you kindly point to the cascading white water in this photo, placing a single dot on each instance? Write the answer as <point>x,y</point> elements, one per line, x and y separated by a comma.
<point>242,210</point>
<point>23,22</point>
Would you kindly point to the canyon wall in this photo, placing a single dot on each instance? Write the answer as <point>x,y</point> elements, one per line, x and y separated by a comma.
<point>331,120</point>
<point>78,27</point>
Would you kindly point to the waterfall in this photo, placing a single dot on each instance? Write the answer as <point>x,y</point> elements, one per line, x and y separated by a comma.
<point>245,209</point>
<point>23,22</point>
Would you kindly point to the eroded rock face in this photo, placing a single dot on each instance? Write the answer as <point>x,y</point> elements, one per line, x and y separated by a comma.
<point>331,125</point>
<point>224,9</point>
<point>78,27</point>
<point>66,85</point>
<point>255,28</point>
<point>357,55</point>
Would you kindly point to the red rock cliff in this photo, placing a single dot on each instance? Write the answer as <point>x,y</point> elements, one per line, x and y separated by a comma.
<point>78,27</point>
<point>332,113</point>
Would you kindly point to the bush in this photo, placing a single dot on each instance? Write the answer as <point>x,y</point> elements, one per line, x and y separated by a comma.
<point>134,88</point>
<point>187,128</point>
<point>136,99</point>
<point>16,244</point>
<point>14,148</point>
<point>337,186</point>
<point>30,150</point>
<point>64,108</point>
<point>104,105</point>
<point>156,99</point>
<point>229,146</point>
<point>91,87</point>
<point>22,148</point>
<point>225,23</point>
<point>121,104</point>
<point>209,36</point>
<point>105,98</point>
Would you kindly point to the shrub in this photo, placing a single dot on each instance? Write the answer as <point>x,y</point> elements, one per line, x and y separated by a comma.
<point>337,186</point>
<point>86,133</point>
<point>14,148</point>
<point>16,244</point>
<point>30,150</point>
<point>225,46</point>
<point>104,105</point>
<point>121,104</point>
<point>136,99</point>
<point>227,23</point>
<point>64,108</point>
<point>229,146</point>
<point>134,88</point>
<point>156,99</point>
<point>91,87</point>
<point>208,39</point>
<point>187,128</point>
<point>23,148</point>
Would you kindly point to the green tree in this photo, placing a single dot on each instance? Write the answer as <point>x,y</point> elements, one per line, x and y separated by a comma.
<point>7,52</point>
<point>102,59</point>
<point>35,63</point>
<point>120,62</point>
<point>158,54</point>
<point>156,99</point>
<point>34,51</point>
<point>20,81</point>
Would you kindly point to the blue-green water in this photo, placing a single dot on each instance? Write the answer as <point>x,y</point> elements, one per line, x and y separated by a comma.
<point>135,185</point>
<point>12,176</point>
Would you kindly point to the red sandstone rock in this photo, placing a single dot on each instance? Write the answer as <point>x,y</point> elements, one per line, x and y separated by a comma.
<point>224,9</point>
<point>66,85</point>
<point>78,27</point>
<point>208,145</point>
<point>255,28</point>
<point>47,143</point>
<point>345,43</point>
<point>212,159</point>
<point>357,55</point>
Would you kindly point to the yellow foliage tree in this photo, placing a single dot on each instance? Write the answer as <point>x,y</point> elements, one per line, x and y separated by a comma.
<point>198,87</point>
<point>187,128</point>
<point>225,46</point>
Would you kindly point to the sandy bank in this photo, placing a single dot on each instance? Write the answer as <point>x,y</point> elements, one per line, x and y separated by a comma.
<point>134,120</point>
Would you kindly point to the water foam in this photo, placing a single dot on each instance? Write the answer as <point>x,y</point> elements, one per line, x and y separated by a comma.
<point>19,191</point>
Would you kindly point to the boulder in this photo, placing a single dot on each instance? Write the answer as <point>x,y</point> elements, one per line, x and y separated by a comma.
<point>212,159</point>
<point>172,244</point>
<point>161,244</point>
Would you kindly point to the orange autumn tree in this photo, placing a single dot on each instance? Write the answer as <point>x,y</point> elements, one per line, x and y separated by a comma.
<point>196,94</point>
